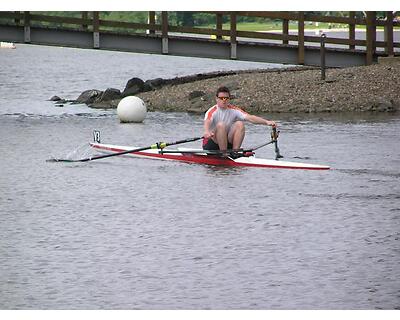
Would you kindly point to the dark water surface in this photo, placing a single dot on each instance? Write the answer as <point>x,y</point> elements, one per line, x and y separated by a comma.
<point>124,233</point>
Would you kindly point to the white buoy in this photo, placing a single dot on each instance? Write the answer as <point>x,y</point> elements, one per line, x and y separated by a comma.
<point>7,45</point>
<point>131,109</point>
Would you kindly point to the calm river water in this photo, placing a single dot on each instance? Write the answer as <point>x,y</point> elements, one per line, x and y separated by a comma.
<point>125,233</point>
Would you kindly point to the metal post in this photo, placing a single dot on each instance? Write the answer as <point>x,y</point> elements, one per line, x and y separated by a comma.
<point>323,64</point>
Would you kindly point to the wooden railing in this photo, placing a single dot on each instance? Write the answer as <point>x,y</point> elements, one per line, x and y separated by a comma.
<point>91,22</point>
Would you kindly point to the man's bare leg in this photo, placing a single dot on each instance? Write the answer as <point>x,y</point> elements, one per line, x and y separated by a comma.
<point>221,136</point>
<point>236,134</point>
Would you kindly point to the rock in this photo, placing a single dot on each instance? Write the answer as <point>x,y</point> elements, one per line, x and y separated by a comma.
<point>62,101</point>
<point>235,95</point>
<point>110,94</point>
<point>89,96</point>
<point>106,100</point>
<point>133,86</point>
<point>348,75</point>
<point>382,105</point>
<point>55,98</point>
<point>156,83</point>
<point>110,104</point>
<point>232,85</point>
<point>59,102</point>
<point>196,94</point>
<point>147,86</point>
<point>395,104</point>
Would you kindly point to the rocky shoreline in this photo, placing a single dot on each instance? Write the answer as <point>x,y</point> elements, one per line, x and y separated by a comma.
<point>299,89</point>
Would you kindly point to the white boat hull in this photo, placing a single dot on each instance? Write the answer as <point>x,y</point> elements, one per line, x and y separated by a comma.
<point>199,156</point>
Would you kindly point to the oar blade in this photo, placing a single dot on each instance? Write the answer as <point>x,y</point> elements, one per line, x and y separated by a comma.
<point>66,160</point>
<point>55,160</point>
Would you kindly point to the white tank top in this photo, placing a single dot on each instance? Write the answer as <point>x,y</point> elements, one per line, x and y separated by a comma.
<point>228,116</point>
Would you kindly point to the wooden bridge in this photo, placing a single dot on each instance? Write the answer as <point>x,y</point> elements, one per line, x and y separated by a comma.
<point>378,37</point>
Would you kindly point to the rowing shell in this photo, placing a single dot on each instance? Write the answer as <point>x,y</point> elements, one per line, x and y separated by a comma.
<point>199,156</point>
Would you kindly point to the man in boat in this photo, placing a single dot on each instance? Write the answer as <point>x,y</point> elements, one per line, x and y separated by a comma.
<point>224,123</point>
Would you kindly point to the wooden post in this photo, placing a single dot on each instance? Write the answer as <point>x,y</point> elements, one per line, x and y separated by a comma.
<point>152,22</point>
<point>16,20</point>
<point>96,30</point>
<point>27,27</point>
<point>371,36</point>
<point>219,26</point>
<point>84,16</point>
<point>389,33</point>
<point>300,38</point>
<point>352,30</point>
<point>233,35</point>
<point>164,32</point>
<point>285,30</point>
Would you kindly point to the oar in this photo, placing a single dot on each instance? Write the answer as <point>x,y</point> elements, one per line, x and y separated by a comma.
<point>158,145</point>
<point>260,146</point>
<point>274,136</point>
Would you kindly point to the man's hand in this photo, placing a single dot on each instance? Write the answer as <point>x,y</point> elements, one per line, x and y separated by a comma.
<point>208,134</point>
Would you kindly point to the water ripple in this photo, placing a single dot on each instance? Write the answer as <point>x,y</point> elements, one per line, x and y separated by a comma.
<point>371,172</point>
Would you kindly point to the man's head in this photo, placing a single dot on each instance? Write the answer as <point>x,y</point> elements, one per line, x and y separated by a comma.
<point>223,95</point>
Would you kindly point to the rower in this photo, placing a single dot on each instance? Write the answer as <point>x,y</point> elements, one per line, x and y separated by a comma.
<point>224,124</point>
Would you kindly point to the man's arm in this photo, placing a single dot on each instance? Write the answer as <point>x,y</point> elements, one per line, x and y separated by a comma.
<point>207,133</point>
<point>258,120</point>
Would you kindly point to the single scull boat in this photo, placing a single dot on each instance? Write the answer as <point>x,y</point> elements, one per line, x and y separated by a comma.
<point>229,158</point>
<point>206,157</point>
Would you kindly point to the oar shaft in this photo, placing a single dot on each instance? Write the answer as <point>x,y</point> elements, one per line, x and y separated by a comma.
<point>154,146</point>
<point>180,141</point>
<point>158,145</point>
<point>260,146</point>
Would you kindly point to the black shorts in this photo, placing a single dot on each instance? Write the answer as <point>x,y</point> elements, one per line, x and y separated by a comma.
<point>209,144</point>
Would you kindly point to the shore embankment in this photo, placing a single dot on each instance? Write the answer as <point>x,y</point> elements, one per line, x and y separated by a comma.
<point>366,88</point>
<point>292,89</point>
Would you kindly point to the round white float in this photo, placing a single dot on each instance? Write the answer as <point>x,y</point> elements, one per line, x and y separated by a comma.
<point>131,109</point>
